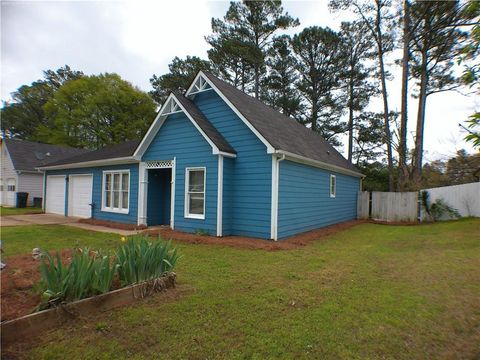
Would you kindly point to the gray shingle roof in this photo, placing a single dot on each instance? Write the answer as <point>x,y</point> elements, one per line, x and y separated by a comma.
<point>209,130</point>
<point>282,132</point>
<point>28,155</point>
<point>110,152</point>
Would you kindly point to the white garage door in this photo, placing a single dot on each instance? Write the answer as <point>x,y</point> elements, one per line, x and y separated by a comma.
<point>80,195</point>
<point>55,197</point>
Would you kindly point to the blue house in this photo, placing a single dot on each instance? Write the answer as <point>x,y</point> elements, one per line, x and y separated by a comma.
<point>216,160</point>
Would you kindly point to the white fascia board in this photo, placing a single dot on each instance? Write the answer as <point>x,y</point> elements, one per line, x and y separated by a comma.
<point>320,164</point>
<point>270,148</point>
<point>152,130</point>
<point>103,162</point>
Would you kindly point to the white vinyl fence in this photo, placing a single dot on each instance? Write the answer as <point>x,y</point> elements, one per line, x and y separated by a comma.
<point>465,198</point>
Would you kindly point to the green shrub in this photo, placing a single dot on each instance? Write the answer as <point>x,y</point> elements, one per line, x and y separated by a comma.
<point>88,274</point>
<point>91,273</point>
<point>438,209</point>
<point>140,260</point>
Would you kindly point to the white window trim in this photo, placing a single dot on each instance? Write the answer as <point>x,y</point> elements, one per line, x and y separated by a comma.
<point>187,215</point>
<point>334,194</point>
<point>112,209</point>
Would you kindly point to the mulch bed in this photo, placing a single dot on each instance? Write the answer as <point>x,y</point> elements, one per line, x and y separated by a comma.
<point>290,243</point>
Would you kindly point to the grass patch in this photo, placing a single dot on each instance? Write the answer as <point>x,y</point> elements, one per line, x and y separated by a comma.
<point>22,239</point>
<point>6,211</point>
<point>372,291</point>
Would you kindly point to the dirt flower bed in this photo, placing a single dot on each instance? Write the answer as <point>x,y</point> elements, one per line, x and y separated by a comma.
<point>18,296</point>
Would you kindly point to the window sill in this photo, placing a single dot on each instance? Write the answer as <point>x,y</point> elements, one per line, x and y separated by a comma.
<point>116,211</point>
<point>196,217</point>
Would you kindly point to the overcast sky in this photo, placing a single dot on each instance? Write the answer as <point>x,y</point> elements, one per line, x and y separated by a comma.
<point>137,39</point>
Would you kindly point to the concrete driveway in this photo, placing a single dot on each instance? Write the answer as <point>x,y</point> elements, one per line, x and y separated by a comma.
<point>36,219</point>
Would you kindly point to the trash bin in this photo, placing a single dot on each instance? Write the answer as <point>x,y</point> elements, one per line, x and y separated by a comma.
<point>37,202</point>
<point>22,199</point>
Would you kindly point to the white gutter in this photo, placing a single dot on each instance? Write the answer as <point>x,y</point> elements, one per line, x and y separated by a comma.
<point>113,161</point>
<point>317,163</point>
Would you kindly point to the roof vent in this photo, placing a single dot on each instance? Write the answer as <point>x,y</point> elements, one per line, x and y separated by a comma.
<point>328,152</point>
<point>39,155</point>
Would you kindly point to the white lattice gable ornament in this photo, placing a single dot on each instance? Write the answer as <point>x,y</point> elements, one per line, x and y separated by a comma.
<point>159,164</point>
<point>171,107</point>
<point>198,86</point>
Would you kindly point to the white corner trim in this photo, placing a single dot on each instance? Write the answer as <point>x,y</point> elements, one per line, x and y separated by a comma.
<point>172,194</point>
<point>220,196</point>
<point>270,148</point>
<point>44,190</point>
<point>320,164</point>
<point>273,223</point>
<point>275,189</point>
<point>142,194</point>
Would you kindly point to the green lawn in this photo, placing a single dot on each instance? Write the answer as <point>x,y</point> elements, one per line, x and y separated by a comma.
<point>5,211</point>
<point>372,291</point>
<point>22,239</point>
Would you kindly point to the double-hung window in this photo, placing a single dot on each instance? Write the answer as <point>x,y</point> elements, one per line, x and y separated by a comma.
<point>333,186</point>
<point>195,193</point>
<point>116,191</point>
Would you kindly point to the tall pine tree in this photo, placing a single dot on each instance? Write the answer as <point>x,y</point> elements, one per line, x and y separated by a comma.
<point>180,76</point>
<point>250,25</point>
<point>279,90</point>
<point>320,62</point>
<point>357,84</point>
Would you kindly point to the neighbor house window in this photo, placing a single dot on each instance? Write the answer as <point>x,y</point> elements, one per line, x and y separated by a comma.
<point>195,193</point>
<point>333,186</point>
<point>116,190</point>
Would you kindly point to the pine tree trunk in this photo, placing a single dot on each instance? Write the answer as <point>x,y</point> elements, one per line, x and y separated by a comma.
<point>386,117</point>
<point>257,81</point>
<point>350,122</point>
<point>402,144</point>
<point>422,101</point>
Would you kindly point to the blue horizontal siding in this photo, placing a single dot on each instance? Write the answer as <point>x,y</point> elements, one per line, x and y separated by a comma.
<point>304,201</point>
<point>250,173</point>
<point>179,138</point>
<point>97,172</point>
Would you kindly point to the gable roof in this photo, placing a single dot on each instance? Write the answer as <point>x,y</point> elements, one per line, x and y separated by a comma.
<point>281,132</point>
<point>122,150</point>
<point>179,103</point>
<point>212,133</point>
<point>28,155</point>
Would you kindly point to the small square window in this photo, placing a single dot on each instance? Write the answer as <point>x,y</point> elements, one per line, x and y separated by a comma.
<point>333,186</point>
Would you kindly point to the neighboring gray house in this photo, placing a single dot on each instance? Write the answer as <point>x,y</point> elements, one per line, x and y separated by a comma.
<point>19,162</point>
